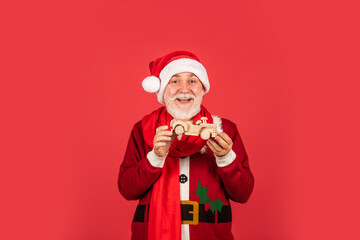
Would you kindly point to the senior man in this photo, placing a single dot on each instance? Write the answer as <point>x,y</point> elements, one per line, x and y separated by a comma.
<point>183,182</point>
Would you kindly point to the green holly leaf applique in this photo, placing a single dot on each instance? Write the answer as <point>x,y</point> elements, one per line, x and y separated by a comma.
<point>217,205</point>
<point>201,191</point>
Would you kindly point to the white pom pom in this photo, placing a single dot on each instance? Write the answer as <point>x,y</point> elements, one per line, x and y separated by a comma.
<point>151,84</point>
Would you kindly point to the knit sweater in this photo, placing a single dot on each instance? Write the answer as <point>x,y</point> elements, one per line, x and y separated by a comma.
<point>208,182</point>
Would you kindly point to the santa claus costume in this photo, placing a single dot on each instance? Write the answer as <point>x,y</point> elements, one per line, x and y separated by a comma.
<point>184,195</point>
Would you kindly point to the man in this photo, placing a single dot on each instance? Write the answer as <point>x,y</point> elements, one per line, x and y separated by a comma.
<point>183,182</point>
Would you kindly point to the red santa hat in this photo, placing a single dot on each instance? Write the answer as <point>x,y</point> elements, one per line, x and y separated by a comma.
<point>163,68</point>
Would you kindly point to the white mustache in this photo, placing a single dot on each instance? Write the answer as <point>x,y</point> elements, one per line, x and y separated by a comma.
<point>183,96</point>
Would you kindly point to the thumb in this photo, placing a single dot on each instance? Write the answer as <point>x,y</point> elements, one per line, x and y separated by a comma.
<point>173,136</point>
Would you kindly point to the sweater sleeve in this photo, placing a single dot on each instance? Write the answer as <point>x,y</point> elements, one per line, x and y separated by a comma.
<point>237,177</point>
<point>136,174</point>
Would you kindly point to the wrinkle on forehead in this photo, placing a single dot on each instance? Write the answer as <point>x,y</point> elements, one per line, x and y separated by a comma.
<point>188,75</point>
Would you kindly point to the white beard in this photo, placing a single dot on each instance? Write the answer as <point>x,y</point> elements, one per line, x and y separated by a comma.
<point>179,113</point>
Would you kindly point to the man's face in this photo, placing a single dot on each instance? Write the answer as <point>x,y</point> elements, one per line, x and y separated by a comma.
<point>183,95</point>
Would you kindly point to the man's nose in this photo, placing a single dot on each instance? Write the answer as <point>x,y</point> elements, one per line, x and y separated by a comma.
<point>184,87</point>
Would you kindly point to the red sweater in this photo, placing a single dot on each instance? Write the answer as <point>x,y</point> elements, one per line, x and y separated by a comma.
<point>234,181</point>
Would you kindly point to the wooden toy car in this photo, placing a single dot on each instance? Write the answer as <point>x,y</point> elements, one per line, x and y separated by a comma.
<point>201,128</point>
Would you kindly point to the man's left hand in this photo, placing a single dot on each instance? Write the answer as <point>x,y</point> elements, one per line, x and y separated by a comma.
<point>222,146</point>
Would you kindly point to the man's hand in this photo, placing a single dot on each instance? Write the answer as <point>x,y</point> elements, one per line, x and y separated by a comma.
<point>162,141</point>
<point>223,146</point>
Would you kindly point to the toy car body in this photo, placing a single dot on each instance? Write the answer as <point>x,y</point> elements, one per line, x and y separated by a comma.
<point>201,128</point>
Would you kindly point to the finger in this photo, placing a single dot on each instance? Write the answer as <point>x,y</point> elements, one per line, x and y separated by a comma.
<point>173,136</point>
<point>217,153</point>
<point>162,139</point>
<point>159,144</point>
<point>164,133</point>
<point>221,142</point>
<point>215,145</point>
<point>226,138</point>
<point>211,147</point>
<point>162,128</point>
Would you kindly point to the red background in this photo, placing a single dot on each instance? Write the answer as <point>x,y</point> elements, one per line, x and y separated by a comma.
<point>286,72</point>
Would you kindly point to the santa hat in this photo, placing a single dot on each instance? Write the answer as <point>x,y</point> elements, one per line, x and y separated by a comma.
<point>163,68</point>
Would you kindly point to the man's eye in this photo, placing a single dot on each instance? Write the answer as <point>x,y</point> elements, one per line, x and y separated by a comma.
<point>192,81</point>
<point>174,81</point>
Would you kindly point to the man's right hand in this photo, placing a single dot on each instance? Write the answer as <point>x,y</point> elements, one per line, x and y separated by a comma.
<point>162,140</point>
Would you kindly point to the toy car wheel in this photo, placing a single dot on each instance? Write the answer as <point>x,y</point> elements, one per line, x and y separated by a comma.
<point>205,135</point>
<point>179,130</point>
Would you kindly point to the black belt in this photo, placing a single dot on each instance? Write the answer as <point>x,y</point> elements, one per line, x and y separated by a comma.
<point>191,213</point>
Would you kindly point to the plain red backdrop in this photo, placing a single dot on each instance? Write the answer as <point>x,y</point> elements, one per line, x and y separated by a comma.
<point>286,72</point>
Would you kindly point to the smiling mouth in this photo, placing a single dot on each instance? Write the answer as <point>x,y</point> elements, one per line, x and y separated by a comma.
<point>184,100</point>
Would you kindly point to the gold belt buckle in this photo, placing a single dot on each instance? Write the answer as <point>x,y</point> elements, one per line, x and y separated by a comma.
<point>195,212</point>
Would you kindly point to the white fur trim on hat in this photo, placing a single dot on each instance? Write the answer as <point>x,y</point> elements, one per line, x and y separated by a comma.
<point>151,84</point>
<point>178,66</point>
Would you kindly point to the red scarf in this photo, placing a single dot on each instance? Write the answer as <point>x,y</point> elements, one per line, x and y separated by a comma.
<point>164,214</point>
